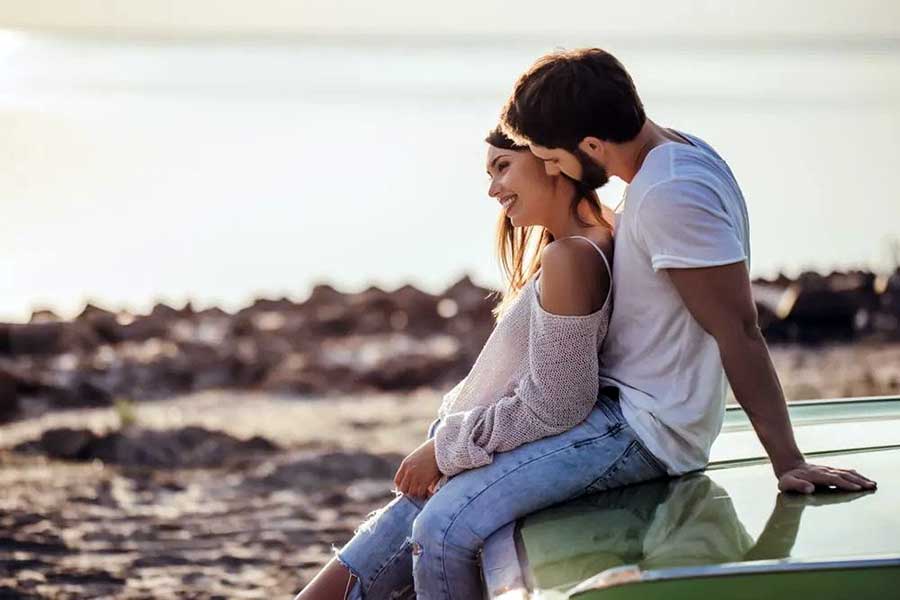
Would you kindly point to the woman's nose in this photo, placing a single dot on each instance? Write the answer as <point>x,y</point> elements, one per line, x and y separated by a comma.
<point>494,190</point>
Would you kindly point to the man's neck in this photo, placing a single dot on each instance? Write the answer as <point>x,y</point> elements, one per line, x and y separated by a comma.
<point>630,155</point>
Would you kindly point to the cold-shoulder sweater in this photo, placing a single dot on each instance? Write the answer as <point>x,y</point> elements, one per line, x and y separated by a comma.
<point>536,376</point>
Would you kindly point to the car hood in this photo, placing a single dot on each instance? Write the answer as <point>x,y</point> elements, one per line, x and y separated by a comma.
<point>730,514</point>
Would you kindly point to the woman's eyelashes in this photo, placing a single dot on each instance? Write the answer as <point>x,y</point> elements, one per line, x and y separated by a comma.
<point>499,168</point>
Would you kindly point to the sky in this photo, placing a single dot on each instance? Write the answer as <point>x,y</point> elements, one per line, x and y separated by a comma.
<point>749,18</point>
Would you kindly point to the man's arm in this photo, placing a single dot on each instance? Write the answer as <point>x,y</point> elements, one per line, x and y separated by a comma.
<point>721,301</point>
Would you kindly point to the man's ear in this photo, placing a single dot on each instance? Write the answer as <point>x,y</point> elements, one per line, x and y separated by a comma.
<point>593,147</point>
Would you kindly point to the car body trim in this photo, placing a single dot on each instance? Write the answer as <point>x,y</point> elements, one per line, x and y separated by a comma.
<point>768,567</point>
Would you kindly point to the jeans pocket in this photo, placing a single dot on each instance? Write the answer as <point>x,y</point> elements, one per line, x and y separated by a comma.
<point>652,460</point>
<point>633,465</point>
<point>604,418</point>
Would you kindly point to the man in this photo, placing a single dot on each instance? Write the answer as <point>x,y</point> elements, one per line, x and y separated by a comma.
<point>684,315</point>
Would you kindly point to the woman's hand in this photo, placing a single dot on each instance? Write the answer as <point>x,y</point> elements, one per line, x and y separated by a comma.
<point>418,473</point>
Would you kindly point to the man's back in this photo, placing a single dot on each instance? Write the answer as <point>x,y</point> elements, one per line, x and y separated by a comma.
<point>683,209</point>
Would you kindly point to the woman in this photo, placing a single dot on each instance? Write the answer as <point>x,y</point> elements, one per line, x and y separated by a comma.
<point>528,426</point>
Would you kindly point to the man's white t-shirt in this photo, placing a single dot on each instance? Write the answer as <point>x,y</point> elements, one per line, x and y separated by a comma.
<point>683,209</point>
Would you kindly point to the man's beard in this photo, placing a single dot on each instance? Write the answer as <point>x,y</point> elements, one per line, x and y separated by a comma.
<point>593,176</point>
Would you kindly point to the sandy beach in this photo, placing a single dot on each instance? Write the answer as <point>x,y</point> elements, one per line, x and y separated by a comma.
<point>257,528</point>
<point>255,525</point>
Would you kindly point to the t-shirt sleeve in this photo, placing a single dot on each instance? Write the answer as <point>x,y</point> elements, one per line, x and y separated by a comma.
<point>558,392</point>
<point>683,224</point>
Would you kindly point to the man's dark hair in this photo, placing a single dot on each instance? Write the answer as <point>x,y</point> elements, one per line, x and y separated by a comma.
<point>572,94</point>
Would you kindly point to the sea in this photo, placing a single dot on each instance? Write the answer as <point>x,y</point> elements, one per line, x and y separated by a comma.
<point>221,169</point>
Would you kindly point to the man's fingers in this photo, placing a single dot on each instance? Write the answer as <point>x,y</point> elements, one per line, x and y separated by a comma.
<point>805,479</point>
<point>858,479</point>
<point>844,481</point>
<point>839,478</point>
<point>847,484</point>
<point>823,477</point>
<point>866,482</point>
<point>847,474</point>
<point>792,483</point>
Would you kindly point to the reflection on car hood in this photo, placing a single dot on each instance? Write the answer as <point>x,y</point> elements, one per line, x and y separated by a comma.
<point>730,514</point>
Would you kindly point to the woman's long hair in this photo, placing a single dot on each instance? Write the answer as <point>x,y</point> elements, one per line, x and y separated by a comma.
<point>519,248</point>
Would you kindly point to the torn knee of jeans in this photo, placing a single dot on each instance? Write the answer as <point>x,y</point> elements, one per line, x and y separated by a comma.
<point>369,521</point>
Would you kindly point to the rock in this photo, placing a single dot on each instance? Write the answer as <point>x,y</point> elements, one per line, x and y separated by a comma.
<point>186,447</point>
<point>419,309</point>
<point>330,468</point>
<point>374,309</point>
<point>44,316</point>
<point>284,378</point>
<point>104,323</point>
<point>67,443</point>
<point>332,320</point>
<point>370,490</point>
<point>9,396</point>
<point>469,297</point>
<point>323,294</point>
<point>407,372</point>
<point>166,313</point>
<point>138,329</point>
<point>826,308</point>
<point>472,320</point>
<point>79,393</point>
<point>816,308</point>
<point>213,312</point>
<point>32,338</point>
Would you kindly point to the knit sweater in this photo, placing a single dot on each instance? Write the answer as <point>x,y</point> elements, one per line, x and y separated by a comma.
<point>536,376</point>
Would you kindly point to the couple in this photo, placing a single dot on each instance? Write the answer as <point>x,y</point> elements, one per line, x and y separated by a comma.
<point>569,396</point>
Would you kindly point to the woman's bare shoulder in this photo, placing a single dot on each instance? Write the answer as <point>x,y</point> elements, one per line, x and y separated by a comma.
<point>574,279</point>
<point>576,254</point>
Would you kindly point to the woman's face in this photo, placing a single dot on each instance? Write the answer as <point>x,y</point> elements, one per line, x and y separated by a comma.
<point>519,182</point>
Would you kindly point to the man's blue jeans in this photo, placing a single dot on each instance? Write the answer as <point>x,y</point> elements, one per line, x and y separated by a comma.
<point>428,548</point>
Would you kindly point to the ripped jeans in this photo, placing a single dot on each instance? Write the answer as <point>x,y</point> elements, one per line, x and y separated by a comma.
<point>429,548</point>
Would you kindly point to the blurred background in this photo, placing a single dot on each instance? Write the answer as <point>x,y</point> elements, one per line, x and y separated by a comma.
<point>236,229</point>
<point>218,151</point>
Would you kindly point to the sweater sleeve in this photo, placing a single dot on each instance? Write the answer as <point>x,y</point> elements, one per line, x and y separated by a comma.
<point>557,393</point>
<point>450,396</point>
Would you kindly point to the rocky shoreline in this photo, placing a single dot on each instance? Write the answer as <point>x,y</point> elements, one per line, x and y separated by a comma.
<point>332,343</point>
<point>202,454</point>
<point>338,343</point>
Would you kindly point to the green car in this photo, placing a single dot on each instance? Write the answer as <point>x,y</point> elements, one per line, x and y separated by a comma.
<point>726,532</point>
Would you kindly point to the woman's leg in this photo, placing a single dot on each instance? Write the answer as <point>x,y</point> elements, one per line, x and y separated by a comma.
<point>379,555</point>
<point>333,582</point>
<point>601,452</point>
<point>377,562</point>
